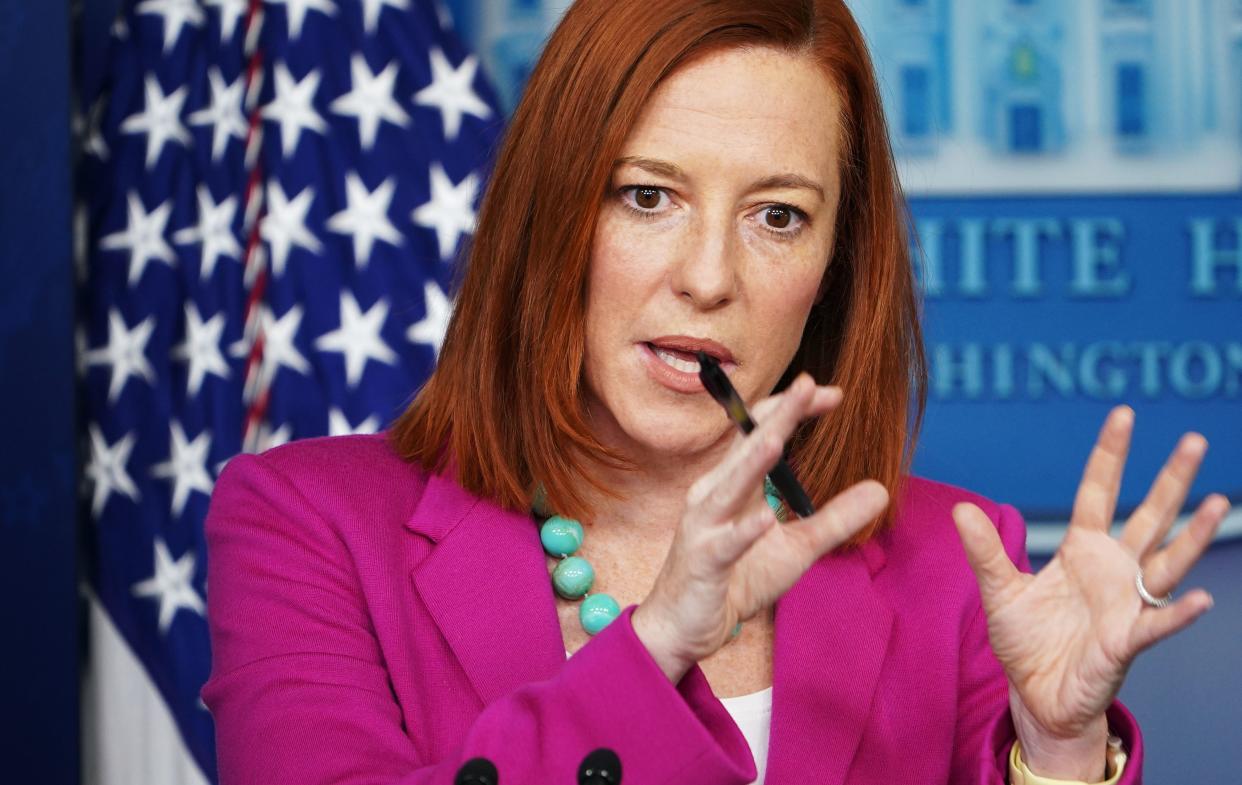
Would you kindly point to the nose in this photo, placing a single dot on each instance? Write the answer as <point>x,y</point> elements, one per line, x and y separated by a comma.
<point>706,271</point>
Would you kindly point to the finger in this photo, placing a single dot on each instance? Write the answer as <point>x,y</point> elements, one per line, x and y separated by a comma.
<point>988,560</point>
<point>1156,624</point>
<point>838,520</point>
<point>1167,568</point>
<point>827,397</point>
<point>1151,521</point>
<point>744,533</point>
<point>1096,500</point>
<point>721,492</point>
<point>724,489</point>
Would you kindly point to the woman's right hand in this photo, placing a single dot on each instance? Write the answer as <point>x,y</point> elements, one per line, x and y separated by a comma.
<point>728,559</point>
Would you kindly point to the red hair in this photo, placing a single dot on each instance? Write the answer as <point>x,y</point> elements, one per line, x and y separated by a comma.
<point>506,399</point>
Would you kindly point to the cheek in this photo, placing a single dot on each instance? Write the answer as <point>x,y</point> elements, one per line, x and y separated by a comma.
<point>783,304</point>
<point>623,267</point>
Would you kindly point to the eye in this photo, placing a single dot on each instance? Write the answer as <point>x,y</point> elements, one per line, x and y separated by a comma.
<point>783,220</point>
<point>646,200</point>
<point>777,217</point>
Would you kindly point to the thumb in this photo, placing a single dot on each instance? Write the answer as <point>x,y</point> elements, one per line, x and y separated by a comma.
<point>984,551</point>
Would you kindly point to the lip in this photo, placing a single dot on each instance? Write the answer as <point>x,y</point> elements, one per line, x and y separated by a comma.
<point>688,344</point>
<point>672,378</point>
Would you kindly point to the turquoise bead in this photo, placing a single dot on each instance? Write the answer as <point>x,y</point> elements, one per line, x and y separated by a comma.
<point>597,612</point>
<point>560,536</point>
<point>775,503</point>
<point>769,487</point>
<point>737,629</point>
<point>573,577</point>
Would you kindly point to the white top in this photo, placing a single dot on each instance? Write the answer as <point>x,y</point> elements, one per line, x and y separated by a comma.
<point>753,715</point>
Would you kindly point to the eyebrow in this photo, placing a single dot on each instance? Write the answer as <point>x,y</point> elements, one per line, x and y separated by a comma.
<point>675,172</point>
<point>653,165</point>
<point>789,180</point>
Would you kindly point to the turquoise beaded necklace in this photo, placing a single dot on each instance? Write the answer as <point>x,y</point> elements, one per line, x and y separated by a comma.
<point>573,577</point>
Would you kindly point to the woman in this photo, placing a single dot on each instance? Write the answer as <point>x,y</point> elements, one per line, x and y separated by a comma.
<point>679,176</point>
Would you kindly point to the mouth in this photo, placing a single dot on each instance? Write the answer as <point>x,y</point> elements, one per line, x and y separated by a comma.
<point>682,361</point>
<point>673,362</point>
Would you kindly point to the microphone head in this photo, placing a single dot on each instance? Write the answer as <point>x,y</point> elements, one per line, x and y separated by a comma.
<point>600,767</point>
<point>477,771</point>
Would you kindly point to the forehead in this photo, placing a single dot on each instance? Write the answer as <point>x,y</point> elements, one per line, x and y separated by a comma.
<point>757,107</point>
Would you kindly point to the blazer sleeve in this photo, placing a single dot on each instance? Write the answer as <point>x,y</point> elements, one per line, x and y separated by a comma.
<point>300,694</point>
<point>985,732</point>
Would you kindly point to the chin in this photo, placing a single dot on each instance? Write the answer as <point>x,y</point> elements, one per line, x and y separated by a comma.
<point>678,429</point>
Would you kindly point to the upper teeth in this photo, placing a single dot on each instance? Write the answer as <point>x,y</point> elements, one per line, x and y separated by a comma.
<point>689,366</point>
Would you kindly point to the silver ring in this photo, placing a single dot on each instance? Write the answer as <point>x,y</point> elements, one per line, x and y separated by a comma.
<point>1146,596</point>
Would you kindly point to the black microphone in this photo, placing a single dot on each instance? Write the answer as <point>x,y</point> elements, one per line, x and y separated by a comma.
<point>600,767</point>
<point>477,771</point>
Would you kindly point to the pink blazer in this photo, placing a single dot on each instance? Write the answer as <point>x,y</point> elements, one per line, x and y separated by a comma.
<point>371,624</point>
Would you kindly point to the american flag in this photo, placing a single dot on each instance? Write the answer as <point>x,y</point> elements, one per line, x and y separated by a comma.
<point>273,195</point>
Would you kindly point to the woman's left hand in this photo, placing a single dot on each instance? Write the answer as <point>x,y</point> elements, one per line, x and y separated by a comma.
<point>1067,634</point>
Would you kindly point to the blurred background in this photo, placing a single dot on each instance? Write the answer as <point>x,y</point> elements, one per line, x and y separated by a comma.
<point>226,224</point>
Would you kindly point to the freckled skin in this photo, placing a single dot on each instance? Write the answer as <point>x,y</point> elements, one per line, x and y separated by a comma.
<point>708,259</point>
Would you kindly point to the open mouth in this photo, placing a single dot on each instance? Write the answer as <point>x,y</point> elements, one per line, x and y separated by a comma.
<point>683,361</point>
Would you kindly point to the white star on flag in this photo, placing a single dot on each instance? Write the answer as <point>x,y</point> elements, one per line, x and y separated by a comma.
<point>201,348</point>
<point>269,438</point>
<point>285,224</point>
<point>279,350</point>
<point>186,467</point>
<point>230,12</point>
<point>338,424</point>
<point>143,236</point>
<point>358,337</point>
<point>160,119</point>
<point>450,211</point>
<point>107,471</point>
<point>443,15</point>
<point>177,14</point>
<point>366,217</point>
<point>370,99</point>
<point>430,329</point>
<point>293,107</point>
<point>371,11</point>
<point>95,144</point>
<point>224,113</point>
<point>214,230</point>
<point>125,352</point>
<point>452,92</point>
<point>172,585</point>
<point>296,12</point>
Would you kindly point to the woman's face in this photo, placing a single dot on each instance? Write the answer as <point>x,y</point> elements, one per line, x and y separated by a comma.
<point>716,230</point>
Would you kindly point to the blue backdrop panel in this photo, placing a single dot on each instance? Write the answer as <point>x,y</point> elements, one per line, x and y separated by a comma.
<point>1042,313</point>
<point>38,593</point>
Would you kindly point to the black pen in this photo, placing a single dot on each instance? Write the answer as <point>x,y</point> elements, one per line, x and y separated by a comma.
<point>718,384</point>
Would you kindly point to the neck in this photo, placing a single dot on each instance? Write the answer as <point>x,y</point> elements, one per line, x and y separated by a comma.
<point>651,498</point>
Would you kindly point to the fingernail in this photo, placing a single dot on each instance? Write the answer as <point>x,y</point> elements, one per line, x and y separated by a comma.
<point>1196,445</point>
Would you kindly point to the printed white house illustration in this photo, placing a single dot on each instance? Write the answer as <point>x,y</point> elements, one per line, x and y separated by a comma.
<point>990,96</point>
<point>1107,95</point>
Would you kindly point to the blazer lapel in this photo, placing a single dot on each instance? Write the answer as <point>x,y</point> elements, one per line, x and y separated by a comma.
<point>831,635</point>
<point>487,587</point>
